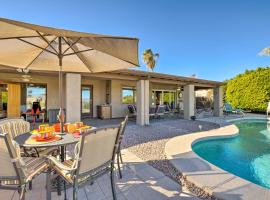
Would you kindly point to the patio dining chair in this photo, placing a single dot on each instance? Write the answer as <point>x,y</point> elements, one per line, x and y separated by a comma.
<point>16,171</point>
<point>94,156</point>
<point>17,126</point>
<point>121,135</point>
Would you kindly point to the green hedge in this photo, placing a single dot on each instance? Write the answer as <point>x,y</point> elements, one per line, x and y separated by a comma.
<point>250,90</point>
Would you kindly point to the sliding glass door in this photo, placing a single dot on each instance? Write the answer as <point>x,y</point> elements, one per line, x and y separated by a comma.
<point>3,100</point>
<point>164,97</point>
<point>87,101</point>
<point>33,93</point>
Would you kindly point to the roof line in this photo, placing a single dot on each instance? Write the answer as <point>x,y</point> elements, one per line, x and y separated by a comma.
<point>162,75</point>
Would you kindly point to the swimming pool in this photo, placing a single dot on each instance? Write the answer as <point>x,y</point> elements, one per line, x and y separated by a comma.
<point>246,155</point>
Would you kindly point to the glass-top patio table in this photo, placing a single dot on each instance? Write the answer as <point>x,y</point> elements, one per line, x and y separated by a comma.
<point>66,139</point>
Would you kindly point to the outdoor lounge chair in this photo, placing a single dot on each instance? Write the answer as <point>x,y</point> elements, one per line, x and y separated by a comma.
<point>160,111</point>
<point>168,110</point>
<point>121,135</point>
<point>94,156</point>
<point>228,109</point>
<point>16,171</point>
<point>152,111</point>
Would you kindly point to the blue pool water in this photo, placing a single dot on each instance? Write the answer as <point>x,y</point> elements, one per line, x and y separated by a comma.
<point>246,155</point>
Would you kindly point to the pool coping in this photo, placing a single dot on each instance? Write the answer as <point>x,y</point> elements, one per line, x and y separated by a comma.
<point>206,176</point>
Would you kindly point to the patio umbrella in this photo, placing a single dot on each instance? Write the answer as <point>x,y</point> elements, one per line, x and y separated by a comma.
<point>32,47</point>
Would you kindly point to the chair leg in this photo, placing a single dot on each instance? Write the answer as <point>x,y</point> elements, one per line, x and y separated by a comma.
<point>58,186</point>
<point>121,159</point>
<point>30,185</point>
<point>48,185</point>
<point>22,193</point>
<point>118,165</point>
<point>112,183</point>
<point>65,191</point>
<point>74,191</point>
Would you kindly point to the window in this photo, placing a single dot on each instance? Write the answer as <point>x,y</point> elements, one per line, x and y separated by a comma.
<point>87,99</point>
<point>128,95</point>
<point>36,93</point>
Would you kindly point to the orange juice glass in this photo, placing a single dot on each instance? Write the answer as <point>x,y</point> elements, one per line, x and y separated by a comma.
<point>43,127</point>
<point>71,128</point>
<point>78,124</point>
<point>57,127</point>
<point>66,127</point>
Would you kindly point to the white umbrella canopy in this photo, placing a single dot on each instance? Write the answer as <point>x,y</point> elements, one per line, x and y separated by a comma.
<point>34,47</point>
<point>24,45</point>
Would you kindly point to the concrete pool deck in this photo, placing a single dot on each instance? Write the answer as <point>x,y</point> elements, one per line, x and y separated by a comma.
<point>206,176</point>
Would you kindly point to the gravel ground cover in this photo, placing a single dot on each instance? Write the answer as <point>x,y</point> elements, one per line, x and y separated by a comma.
<point>148,143</point>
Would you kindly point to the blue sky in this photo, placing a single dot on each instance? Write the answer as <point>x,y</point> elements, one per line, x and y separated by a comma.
<point>212,39</point>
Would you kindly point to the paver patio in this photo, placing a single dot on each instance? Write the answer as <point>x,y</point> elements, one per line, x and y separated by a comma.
<point>140,181</point>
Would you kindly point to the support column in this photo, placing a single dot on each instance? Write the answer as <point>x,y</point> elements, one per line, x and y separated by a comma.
<point>151,101</point>
<point>73,97</point>
<point>142,102</point>
<point>146,102</point>
<point>188,101</point>
<point>218,101</point>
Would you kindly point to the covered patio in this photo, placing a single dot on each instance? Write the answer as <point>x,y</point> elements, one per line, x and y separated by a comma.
<point>182,88</point>
<point>84,94</point>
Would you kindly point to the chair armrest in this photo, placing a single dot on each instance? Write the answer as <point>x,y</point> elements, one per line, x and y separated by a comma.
<point>29,152</point>
<point>52,160</point>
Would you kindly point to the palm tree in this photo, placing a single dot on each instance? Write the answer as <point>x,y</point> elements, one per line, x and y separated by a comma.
<point>265,52</point>
<point>150,59</point>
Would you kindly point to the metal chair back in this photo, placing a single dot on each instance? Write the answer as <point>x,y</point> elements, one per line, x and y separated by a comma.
<point>97,149</point>
<point>122,129</point>
<point>10,162</point>
<point>14,127</point>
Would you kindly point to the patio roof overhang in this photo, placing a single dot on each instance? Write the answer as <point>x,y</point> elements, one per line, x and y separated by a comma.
<point>135,75</point>
<point>168,78</point>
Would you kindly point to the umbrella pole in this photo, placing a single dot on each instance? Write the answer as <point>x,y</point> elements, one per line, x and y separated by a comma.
<point>61,116</point>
